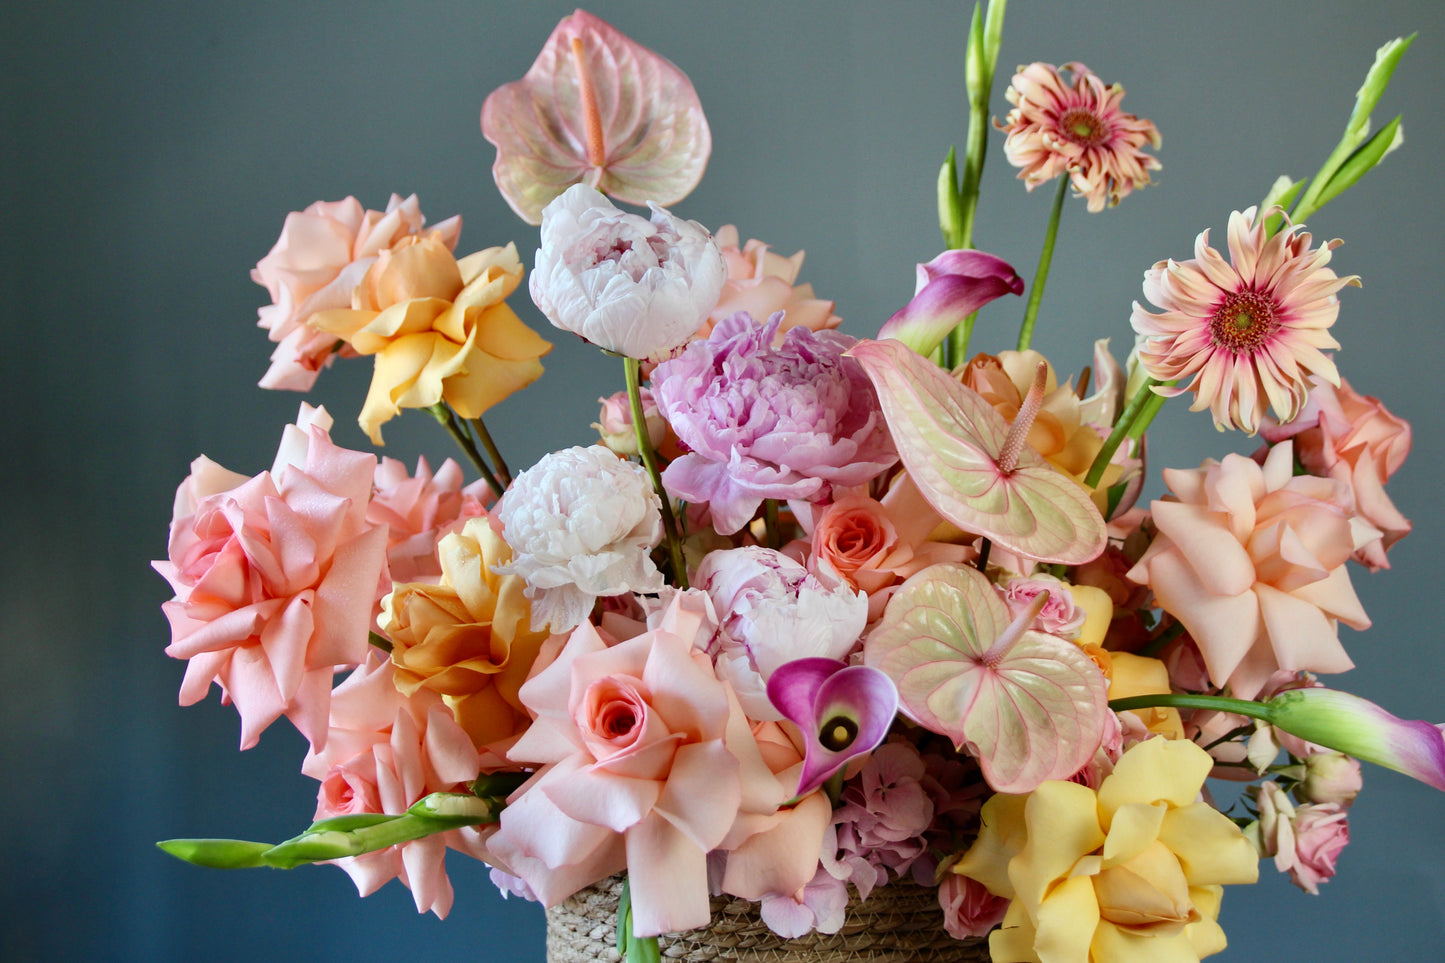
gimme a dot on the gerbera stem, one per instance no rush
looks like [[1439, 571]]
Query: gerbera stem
[[1026, 330], [1142, 399], [1181, 700], [447, 418], [503, 474], [633, 370]]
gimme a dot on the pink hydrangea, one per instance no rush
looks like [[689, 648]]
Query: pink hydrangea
[[275, 577], [819, 907], [384, 753], [788, 422], [321, 256], [881, 819]]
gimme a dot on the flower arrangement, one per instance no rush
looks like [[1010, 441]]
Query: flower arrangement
[[817, 614]]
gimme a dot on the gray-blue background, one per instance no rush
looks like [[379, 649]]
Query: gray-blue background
[[150, 152]]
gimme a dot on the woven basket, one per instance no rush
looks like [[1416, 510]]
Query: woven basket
[[900, 923]]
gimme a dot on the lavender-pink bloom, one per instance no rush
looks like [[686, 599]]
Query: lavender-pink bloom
[[786, 422]]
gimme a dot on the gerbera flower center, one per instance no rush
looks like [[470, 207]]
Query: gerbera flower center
[[1083, 126], [1243, 321]]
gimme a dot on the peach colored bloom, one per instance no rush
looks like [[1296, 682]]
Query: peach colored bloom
[[1248, 333], [761, 283], [418, 510], [274, 578], [322, 254], [468, 638], [1130, 873], [440, 329], [384, 752], [1079, 128], [1252, 560], [1350, 437], [636, 770]]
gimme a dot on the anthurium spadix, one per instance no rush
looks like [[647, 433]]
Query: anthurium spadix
[[950, 288], [956, 449], [597, 108], [843, 711], [1030, 706]]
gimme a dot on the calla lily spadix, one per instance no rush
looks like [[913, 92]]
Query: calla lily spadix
[[1030, 706], [600, 109], [954, 444], [950, 288], [843, 710]]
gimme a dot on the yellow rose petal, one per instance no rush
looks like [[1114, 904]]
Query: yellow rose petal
[[1063, 827], [1156, 770], [1066, 921], [1000, 837], [1210, 846], [1134, 826]]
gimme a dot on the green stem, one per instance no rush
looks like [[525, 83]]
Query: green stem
[[633, 371], [1121, 430], [1162, 639], [1026, 330], [448, 420], [504, 475], [1181, 700], [770, 520]]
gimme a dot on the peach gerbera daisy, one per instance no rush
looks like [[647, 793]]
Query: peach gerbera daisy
[[1056, 127], [1249, 331]]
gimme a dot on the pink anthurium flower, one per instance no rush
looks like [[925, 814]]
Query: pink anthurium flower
[[1030, 706], [972, 468], [950, 288], [844, 712], [1357, 727], [596, 108]]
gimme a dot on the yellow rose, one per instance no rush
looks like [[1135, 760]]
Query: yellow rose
[[1136, 675], [1132, 873], [440, 330], [467, 638]]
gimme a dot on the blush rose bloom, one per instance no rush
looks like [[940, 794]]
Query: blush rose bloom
[[275, 578], [969, 909], [631, 286], [1305, 841], [322, 254], [1130, 873], [582, 524], [467, 639], [761, 283], [1252, 559], [635, 772], [384, 752], [757, 421], [1353, 438], [417, 510], [774, 612]]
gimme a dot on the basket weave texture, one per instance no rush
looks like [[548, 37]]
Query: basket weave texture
[[900, 923]]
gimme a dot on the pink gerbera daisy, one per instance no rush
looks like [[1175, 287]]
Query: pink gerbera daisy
[[1057, 127], [1248, 331]]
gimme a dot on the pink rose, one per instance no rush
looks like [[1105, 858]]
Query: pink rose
[[1059, 616], [417, 510], [1304, 840], [760, 282], [635, 771], [321, 256], [615, 425], [384, 753], [969, 909], [1331, 777], [275, 578], [1352, 438]]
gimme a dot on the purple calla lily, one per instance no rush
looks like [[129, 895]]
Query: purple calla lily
[[843, 710], [950, 288], [1359, 728]]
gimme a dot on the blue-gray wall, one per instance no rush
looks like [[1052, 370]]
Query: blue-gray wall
[[150, 152]]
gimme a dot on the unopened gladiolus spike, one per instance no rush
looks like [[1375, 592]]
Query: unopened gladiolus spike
[[1018, 431], [592, 118]]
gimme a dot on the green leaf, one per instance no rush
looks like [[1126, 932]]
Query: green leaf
[[1364, 159], [217, 853]]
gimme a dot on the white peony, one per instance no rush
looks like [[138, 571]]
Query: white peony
[[581, 523], [635, 287]]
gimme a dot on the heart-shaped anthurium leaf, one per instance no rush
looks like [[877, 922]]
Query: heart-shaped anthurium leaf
[[1030, 706], [950, 440]]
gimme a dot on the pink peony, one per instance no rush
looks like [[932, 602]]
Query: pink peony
[[774, 612], [969, 909], [417, 510], [1252, 560], [321, 256], [1352, 438], [275, 579], [761, 283], [384, 753], [757, 421], [631, 286], [635, 771], [581, 524], [1079, 129]]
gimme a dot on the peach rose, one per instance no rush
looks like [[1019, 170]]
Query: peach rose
[[440, 329], [760, 282], [467, 639]]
